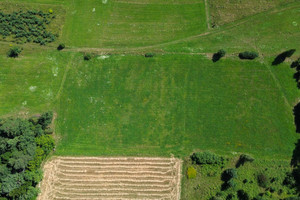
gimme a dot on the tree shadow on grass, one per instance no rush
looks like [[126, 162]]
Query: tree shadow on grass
[[297, 117], [281, 57]]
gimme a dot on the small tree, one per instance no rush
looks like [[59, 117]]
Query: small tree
[[217, 56], [250, 55], [229, 174], [61, 46], [14, 52], [149, 55]]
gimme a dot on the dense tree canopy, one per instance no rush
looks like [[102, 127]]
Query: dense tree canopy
[[23, 146]]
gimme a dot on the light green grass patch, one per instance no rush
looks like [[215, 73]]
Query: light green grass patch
[[173, 104], [30, 83]]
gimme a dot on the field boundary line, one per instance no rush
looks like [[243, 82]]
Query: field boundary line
[[64, 78], [207, 14]]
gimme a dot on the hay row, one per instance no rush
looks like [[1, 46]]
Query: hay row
[[115, 176], [117, 189], [116, 167], [72, 184], [116, 158], [114, 180], [117, 163]]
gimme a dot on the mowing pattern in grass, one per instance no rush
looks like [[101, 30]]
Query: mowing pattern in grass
[[111, 178], [225, 11], [137, 106], [91, 23]]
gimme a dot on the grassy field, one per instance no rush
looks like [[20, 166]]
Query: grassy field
[[30, 83], [226, 11], [130, 105], [269, 33]]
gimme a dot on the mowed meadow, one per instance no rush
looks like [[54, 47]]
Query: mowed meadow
[[174, 103], [131, 105]]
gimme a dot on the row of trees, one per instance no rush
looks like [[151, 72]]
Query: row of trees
[[24, 144]]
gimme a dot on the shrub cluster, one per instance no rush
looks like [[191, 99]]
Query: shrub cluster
[[228, 177], [23, 147], [30, 26], [250, 55], [201, 158]]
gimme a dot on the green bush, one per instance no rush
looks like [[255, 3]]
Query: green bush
[[87, 57], [201, 158], [149, 55], [191, 172], [14, 52], [248, 55], [61, 46]]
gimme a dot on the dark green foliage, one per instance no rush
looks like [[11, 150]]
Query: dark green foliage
[[217, 56], [87, 56], [242, 195], [229, 174], [281, 57], [289, 180], [243, 159], [262, 180], [230, 197], [30, 26], [250, 55], [14, 52], [23, 147], [149, 55], [201, 158], [61, 46], [228, 184], [45, 119]]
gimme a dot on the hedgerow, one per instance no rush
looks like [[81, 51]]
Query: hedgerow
[[29, 26]]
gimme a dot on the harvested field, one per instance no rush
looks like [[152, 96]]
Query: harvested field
[[111, 178]]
